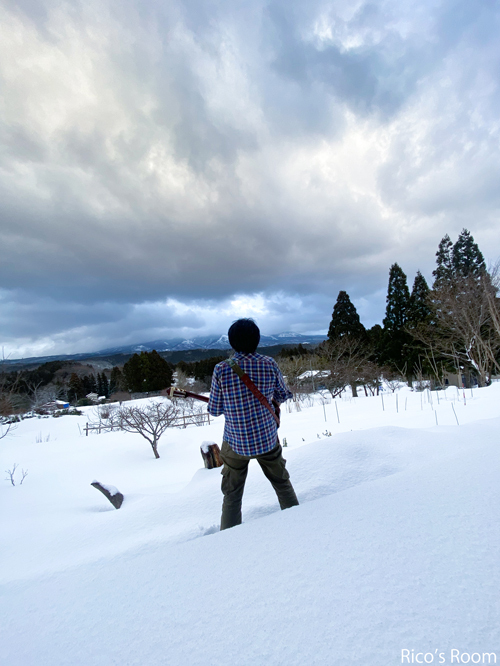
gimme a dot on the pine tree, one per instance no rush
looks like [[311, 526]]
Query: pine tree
[[133, 374], [419, 311], [444, 272], [462, 331], [92, 384], [396, 340], [116, 380], [398, 300], [147, 372], [86, 384], [158, 372], [345, 319], [100, 388], [105, 386], [75, 388], [467, 258]]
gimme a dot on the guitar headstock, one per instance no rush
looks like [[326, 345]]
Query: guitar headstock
[[176, 392]]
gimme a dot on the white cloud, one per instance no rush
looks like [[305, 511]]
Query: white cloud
[[202, 161]]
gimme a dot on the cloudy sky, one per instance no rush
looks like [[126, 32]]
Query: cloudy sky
[[168, 166]]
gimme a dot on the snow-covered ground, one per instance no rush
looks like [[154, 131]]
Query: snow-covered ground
[[392, 556]]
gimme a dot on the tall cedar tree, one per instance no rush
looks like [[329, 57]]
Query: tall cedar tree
[[158, 373], [92, 384], [347, 330], [419, 311], [105, 385], [116, 380], [457, 261], [443, 274], [396, 339], [398, 300], [76, 390], [100, 388], [467, 258], [419, 314], [345, 319], [133, 374]]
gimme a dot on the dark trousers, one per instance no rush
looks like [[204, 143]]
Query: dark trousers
[[234, 474]]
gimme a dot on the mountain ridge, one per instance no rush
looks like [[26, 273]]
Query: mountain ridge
[[174, 345]]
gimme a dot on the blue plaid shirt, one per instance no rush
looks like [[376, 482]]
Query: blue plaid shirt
[[250, 428]]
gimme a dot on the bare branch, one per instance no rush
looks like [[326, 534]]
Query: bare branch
[[10, 474]]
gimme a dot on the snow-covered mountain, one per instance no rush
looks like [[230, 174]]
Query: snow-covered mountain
[[212, 342], [176, 344]]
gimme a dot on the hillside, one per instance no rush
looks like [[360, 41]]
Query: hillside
[[394, 546]]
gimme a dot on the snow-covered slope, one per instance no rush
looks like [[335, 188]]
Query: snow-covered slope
[[394, 546]]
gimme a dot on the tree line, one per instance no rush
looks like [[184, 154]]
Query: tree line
[[56, 380], [453, 327]]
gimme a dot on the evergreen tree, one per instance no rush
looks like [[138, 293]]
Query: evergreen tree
[[444, 272], [157, 370], [92, 384], [75, 388], [396, 340], [345, 319], [419, 310], [86, 384], [116, 380], [100, 389], [133, 374], [204, 368], [398, 300], [467, 258], [105, 385], [147, 372], [375, 335], [419, 315]]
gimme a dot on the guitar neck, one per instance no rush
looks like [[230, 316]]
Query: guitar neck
[[181, 393]]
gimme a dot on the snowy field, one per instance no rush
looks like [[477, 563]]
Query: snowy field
[[392, 557]]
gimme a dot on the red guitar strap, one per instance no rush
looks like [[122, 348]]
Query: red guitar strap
[[249, 383]]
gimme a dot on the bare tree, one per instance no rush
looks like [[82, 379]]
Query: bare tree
[[40, 395], [492, 298], [369, 376], [293, 368], [345, 359], [150, 420], [465, 331], [393, 380]]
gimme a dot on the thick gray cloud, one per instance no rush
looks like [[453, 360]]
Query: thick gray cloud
[[161, 162]]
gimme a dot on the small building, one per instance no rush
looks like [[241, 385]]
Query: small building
[[53, 406]]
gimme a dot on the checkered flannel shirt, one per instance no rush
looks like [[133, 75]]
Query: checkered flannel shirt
[[250, 428]]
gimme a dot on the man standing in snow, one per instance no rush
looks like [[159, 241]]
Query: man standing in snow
[[250, 427]]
